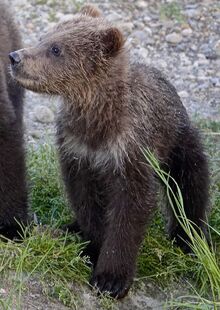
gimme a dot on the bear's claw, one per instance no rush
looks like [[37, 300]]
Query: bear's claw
[[115, 286]]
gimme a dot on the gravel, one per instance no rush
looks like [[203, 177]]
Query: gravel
[[217, 47], [180, 38], [174, 38], [43, 114]]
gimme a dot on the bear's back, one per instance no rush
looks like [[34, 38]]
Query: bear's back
[[159, 112]]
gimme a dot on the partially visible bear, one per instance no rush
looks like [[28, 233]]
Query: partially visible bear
[[13, 193], [111, 108]]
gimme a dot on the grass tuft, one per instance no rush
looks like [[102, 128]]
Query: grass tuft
[[171, 11], [205, 257], [50, 256], [47, 194]]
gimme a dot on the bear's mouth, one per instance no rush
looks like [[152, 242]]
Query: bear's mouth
[[24, 79], [18, 73]]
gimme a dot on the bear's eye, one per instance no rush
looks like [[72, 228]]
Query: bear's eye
[[55, 50]]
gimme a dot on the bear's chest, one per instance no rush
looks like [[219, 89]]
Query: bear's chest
[[109, 155]]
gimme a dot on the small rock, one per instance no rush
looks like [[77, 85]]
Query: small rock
[[174, 38], [215, 81], [139, 25], [211, 54], [2, 291], [43, 114], [147, 19], [141, 4], [64, 17], [194, 47], [143, 52], [127, 27], [162, 64], [148, 31], [183, 94], [50, 26], [202, 59], [139, 36], [168, 24], [185, 60], [217, 48], [187, 32], [140, 55], [193, 13], [59, 15], [114, 17], [35, 134]]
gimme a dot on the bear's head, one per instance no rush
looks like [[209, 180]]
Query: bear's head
[[74, 54]]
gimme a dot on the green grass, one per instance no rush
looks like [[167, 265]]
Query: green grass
[[47, 194], [208, 126], [53, 258], [171, 11], [50, 256], [162, 252], [45, 252], [205, 266]]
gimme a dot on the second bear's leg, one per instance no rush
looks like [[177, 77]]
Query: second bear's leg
[[132, 199], [13, 193]]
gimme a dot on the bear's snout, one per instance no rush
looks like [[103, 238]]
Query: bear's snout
[[14, 58]]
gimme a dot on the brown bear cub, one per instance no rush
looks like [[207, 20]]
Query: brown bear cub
[[111, 108], [13, 195]]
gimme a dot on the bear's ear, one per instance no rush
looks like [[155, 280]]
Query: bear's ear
[[112, 41], [90, 10]]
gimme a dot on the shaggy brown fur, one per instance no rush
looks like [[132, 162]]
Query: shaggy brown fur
[[13, 197], [112, 107]]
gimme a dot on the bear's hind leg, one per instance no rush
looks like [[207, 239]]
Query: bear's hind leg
[[189, 168]]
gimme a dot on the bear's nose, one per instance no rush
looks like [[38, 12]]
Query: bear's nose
[[14, 58]]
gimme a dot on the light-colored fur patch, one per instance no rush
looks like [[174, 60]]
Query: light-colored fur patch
[[113, 154]]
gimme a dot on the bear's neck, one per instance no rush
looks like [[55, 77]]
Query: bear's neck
[[100, 113]]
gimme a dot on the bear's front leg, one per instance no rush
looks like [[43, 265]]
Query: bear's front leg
[[131, 200], [85, 190]]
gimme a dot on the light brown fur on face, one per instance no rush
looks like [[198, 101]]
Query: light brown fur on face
[[111, 108], [86, 46]]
